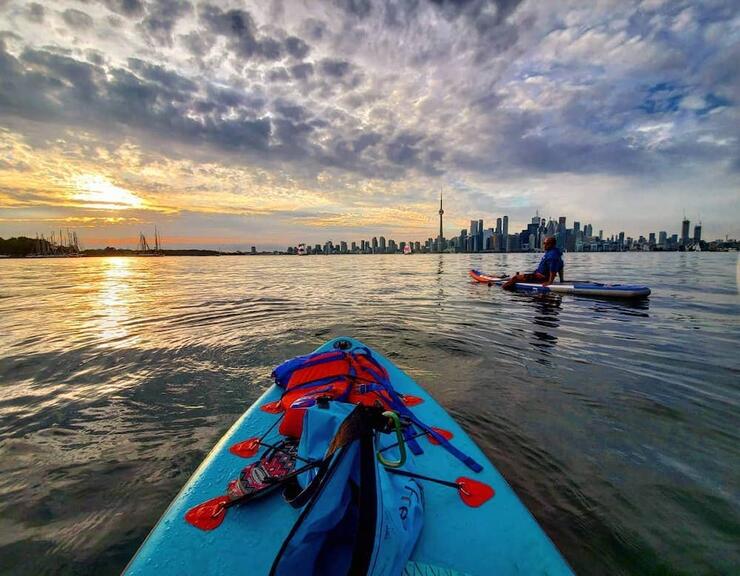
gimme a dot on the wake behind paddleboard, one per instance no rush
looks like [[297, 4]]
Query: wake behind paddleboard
[[498, 537], [579, 288]]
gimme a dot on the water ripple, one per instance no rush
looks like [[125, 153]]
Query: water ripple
[[615, 422]]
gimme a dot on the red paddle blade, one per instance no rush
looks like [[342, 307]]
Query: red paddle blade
[[410, 400], [246, 449], [208, 515], [472, 492], [272, 407], [446, 434]]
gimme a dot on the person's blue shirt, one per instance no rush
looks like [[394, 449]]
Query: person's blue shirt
[[551, 262]]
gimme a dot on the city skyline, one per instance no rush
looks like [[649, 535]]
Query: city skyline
[[481, 239], [228, 125], [478, 238]]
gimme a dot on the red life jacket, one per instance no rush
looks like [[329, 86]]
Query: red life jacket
[[353, 377], [345, 377]]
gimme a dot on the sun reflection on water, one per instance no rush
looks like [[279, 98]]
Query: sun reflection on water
[[114, 301]]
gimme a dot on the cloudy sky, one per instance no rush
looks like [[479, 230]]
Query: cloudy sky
[[231, 123]]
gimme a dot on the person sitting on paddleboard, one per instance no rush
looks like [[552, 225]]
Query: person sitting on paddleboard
[[550, 266]]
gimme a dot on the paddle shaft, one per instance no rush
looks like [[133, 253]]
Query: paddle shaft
[[420, 477]]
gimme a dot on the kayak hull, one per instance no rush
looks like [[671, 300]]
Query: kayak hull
[[500, 537], [595, 289]]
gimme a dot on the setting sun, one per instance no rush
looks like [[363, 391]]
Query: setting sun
[[99, 192]]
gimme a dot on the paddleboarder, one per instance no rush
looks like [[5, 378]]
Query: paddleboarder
[[550, 266]]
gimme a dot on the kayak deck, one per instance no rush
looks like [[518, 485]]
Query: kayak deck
[[500, 537], [579, 288]]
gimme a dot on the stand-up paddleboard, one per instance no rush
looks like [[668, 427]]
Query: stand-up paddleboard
[[499, 536], [579, 288]]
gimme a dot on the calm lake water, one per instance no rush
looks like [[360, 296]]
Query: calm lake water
[[616, 423]]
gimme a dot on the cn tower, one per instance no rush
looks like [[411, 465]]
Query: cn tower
[[441, 239]]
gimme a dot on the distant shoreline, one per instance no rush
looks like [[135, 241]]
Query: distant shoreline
[[212, 253], [24, 247]]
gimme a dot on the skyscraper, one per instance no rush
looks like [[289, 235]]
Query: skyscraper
[[685, 231], [697, 233], [552, 228], [505, 232], [663, 239], [488, 239], [533, 231], [473, 238], [381, 248]]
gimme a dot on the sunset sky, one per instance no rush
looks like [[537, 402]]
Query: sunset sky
[[232, 123]]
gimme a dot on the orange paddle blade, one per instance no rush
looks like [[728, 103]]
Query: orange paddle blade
[[246, 449], [472, 492], [208, 515]]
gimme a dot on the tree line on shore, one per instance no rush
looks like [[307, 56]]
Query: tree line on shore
[[22, 246]]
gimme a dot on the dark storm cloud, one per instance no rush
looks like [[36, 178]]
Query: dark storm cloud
[[314, 28], [76, 79], [225, 99], [301, 71], [239, 27], [233, 23], [334, 68], [296, 47], [365, 140], [292, 135], [359, 8], [278, 75], [35, 12], [290, 110], [483, 12], [77, 19], [58, 88], [173, 82], [271, 49], [129, 8], [489, 20], [161, 17], [403, 149]]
